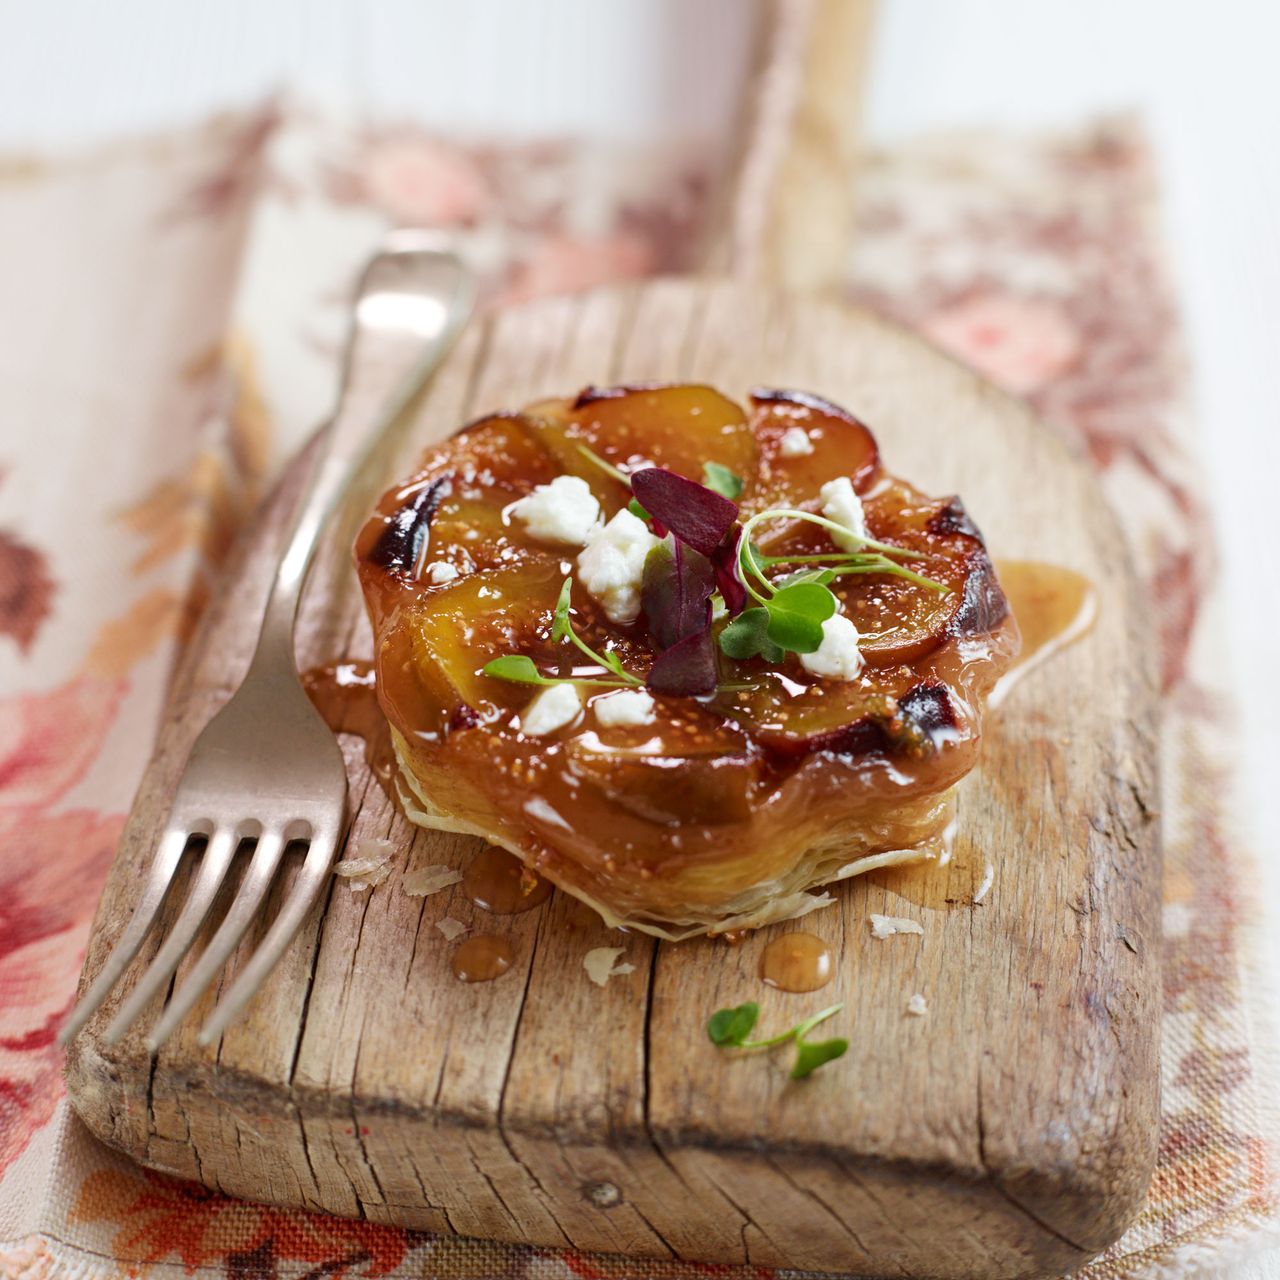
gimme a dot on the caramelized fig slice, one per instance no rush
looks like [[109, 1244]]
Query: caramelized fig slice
[[791, 720], [680, 427], [839, 444], [899, 620], [431, 668], [455, 503]]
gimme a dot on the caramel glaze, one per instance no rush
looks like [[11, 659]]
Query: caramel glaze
[[1054, 607], [346, 696], [797, 962], [499, 882], [481, 959], [772, 782]]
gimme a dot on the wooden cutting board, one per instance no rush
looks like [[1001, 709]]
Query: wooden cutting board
[[1010, 1131]]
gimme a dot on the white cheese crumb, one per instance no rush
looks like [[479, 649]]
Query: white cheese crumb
[[988, 878], [451, 928], [887, 926], [552, 709], [842, 505], [428, 880], [795, 443], [563, 511], [837, 657], [611, 566], [918, 1005], [600, 965], [626, 707], [369, 866], [439, 572]]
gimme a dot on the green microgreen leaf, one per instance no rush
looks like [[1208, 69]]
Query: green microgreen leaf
[[614, 663], [561, 626], [729, 1029], [638, 511], [811, 1054], [722, 480], [823, 577], [796, 614], [516, 668], [732, 1026], [747, 636]]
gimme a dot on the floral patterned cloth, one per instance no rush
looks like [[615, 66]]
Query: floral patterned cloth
[[172, 316]]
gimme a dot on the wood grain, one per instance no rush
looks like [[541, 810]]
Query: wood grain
[[1009, 1132], [785, 213]]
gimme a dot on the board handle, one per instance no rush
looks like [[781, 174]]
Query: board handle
[[785, 215]]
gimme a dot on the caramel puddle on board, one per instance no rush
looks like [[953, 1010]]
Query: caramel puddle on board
[[345, 694], [499, 882], [1054, 607], [797, 962], [482, 959]]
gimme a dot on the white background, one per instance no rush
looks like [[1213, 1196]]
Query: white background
[[1204, 78]]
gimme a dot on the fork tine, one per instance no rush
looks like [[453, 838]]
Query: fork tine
[[159, 877], [213, 868], [244, 907], [311, 879]]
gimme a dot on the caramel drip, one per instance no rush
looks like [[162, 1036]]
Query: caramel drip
[[796, 962], [482, 959], [1054, 607], [346, 696], [499, 882]]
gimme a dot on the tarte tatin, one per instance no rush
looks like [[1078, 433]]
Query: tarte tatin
[[687, 660]]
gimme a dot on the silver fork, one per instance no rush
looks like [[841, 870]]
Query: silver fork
[[267, 766]]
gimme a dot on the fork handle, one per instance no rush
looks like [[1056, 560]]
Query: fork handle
[[410, 305]]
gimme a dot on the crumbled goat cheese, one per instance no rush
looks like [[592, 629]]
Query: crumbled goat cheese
[[552, 709], [841, 505], [887, 926], [988, 878], [918, 1005], [428, 880], [563, 511], [837, 657], [626, 707], [439, 572], [451, 928], [795, 443], [611, 565], [600, 965]]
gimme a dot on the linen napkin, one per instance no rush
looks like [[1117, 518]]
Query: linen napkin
[[168, 338]]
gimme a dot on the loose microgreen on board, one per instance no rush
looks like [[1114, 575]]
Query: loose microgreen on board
[[729, 1029], [733, 1026]]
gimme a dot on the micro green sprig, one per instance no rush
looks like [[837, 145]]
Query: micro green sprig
[[520, 669], [729, 1029], [790, 610]]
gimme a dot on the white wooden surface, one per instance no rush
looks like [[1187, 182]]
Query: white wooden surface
[[1202, 76]]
